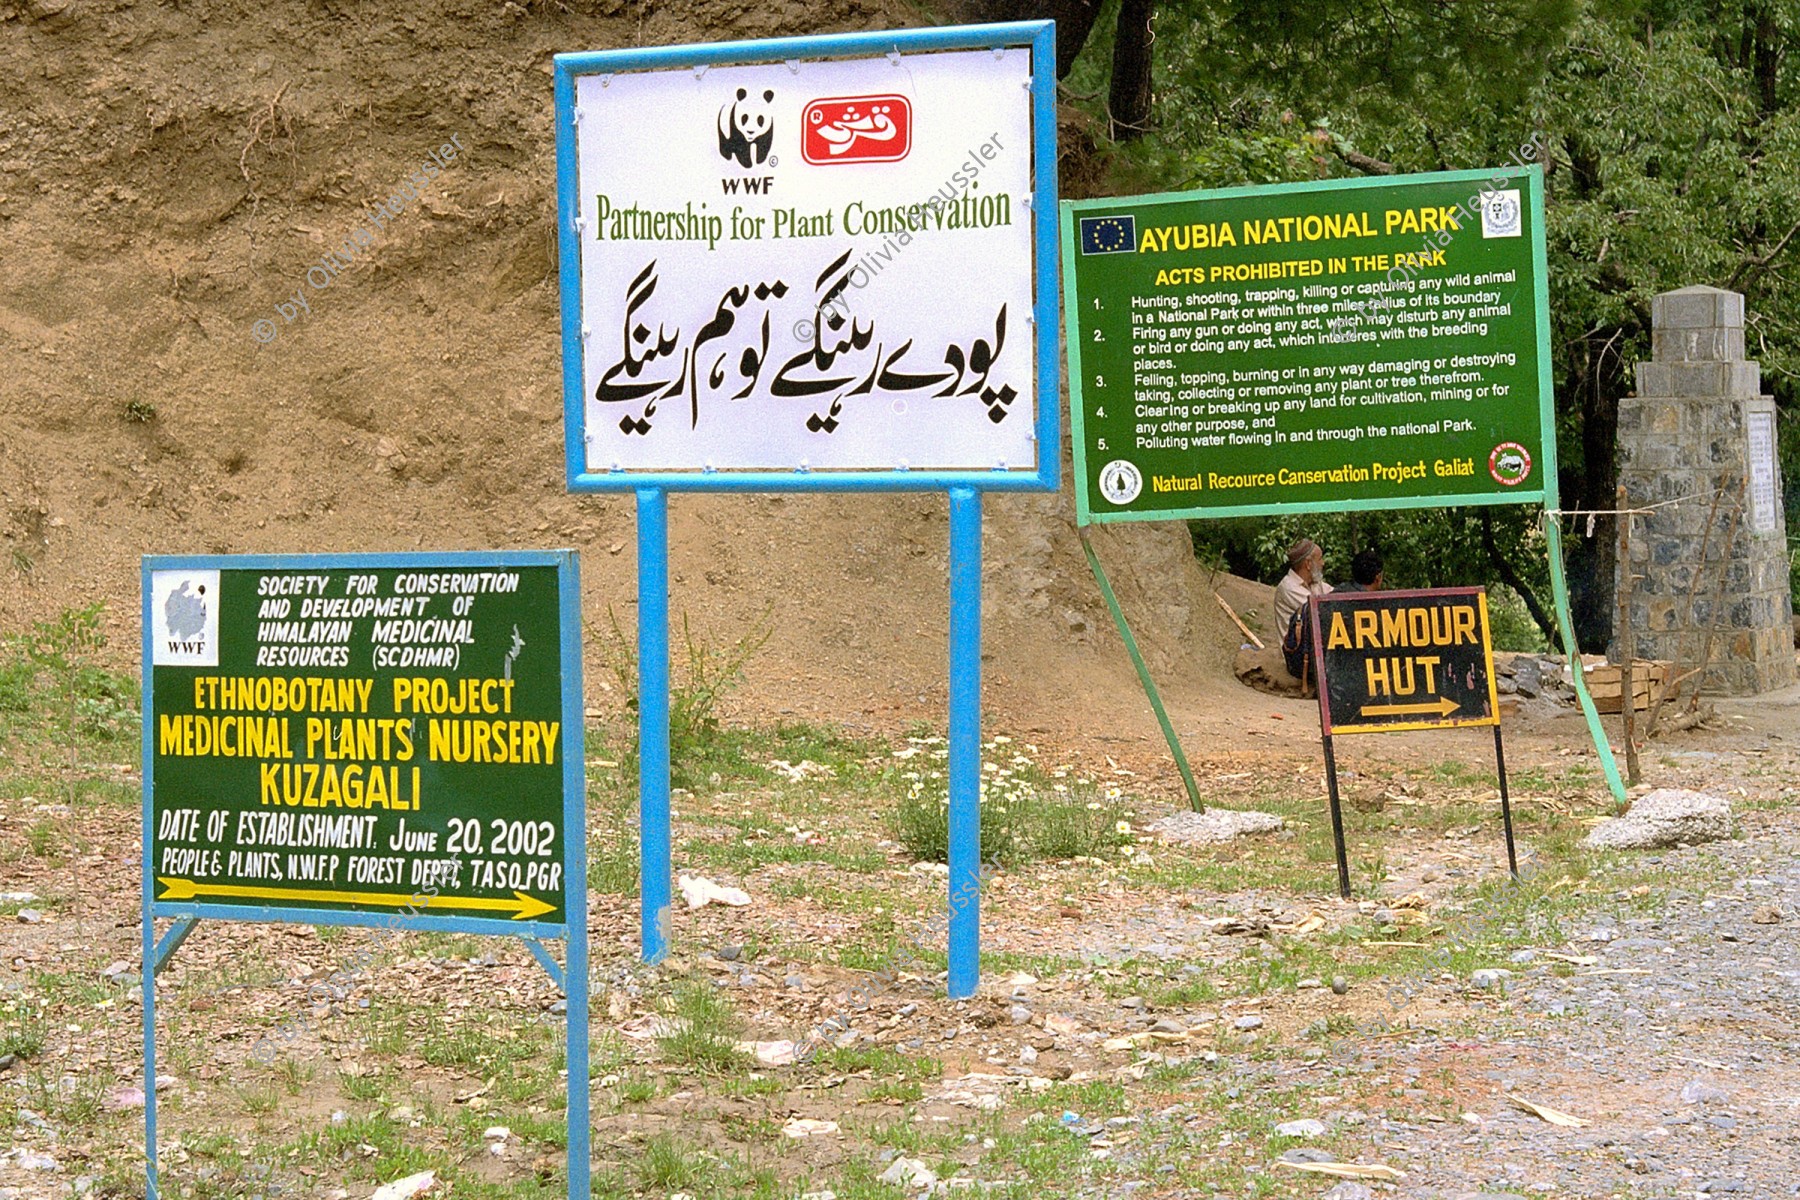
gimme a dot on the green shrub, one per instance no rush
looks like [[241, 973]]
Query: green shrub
[[16, 675], [1510, 624], [1025, 814], [696, 685]]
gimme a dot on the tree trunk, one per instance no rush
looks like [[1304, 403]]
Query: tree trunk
[[1128, 101], [1512, 579], [1590, 561], [1074, 22], [1766, 65]]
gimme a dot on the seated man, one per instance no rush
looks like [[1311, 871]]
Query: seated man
[[1365, 572], [1305, 579]]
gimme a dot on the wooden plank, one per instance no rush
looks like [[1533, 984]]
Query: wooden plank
[[1238, 621], [1606, 684]]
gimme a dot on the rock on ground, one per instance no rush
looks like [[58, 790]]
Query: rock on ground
[[405, 1189], [1665, 817], [909, 1173], [1307, 1127], [1213, 825]]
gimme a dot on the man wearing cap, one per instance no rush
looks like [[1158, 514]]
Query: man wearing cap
[[1305, 579]]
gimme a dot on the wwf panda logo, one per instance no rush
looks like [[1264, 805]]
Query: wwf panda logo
[[747, 128]]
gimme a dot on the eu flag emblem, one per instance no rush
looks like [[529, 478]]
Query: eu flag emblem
[[1108, 235]]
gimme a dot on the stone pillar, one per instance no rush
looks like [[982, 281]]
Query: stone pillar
[[1700, 423]]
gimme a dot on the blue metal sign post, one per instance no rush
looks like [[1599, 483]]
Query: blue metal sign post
[[965, 741], [655, 833], [661, 268], [312, 755]]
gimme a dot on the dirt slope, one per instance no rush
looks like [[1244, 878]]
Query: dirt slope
[[169, 173]]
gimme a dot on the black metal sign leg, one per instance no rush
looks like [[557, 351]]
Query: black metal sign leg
[[1512, 855], [1337, 821]]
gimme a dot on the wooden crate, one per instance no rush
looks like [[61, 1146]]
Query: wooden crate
[[1606, 685]]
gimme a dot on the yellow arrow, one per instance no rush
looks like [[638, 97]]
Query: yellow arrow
[[522, 907], [1443, 706]]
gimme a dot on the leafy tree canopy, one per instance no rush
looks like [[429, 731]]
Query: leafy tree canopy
[[1672, 130]]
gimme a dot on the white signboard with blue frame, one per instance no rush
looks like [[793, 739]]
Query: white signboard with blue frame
[[812, 264], [825, 255]]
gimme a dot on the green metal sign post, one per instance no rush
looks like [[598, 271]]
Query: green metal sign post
[[1350, 344]]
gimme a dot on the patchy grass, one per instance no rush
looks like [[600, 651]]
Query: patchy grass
[[881, 1061], [745, 844], [68, 1100], [704, 1031], [23, 1028], [454, 1037], [639, 1088], [1027, 813], [668, 1164]]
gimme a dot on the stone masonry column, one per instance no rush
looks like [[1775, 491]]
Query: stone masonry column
[[1700, 423]]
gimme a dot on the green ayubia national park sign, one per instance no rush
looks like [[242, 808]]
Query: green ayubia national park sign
[[1352, 344], [364, 734]]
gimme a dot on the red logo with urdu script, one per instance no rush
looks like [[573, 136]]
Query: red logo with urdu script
[[861, 129]]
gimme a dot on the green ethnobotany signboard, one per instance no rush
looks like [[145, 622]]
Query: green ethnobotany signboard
[[1351, 344], [365, 734]]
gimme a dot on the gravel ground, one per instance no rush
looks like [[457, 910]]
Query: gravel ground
[[1662, 1016], [1678, 1044]]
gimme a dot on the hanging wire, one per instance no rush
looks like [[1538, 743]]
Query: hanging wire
[[1594, 513]]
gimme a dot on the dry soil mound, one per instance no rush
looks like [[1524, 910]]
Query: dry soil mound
[[168, 174]]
